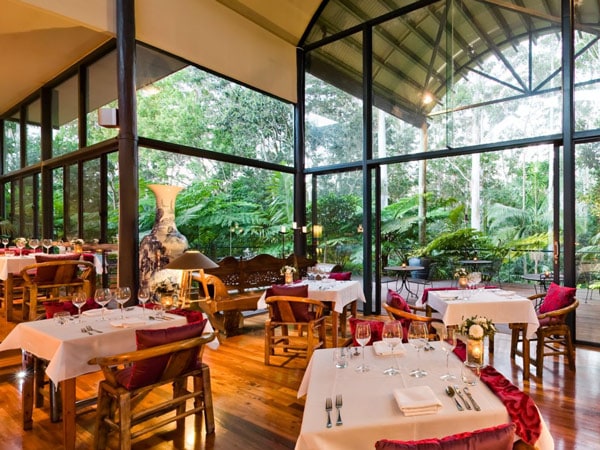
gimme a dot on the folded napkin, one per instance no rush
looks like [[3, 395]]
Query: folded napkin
[[503, 293], [93, 312], [382, 349], [417, 400], [521, 408], [128, 323]]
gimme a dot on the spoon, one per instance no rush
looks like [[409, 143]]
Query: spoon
[[450, 392]]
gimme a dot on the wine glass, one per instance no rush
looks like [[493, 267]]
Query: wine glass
[[448, 344], [79, 299], [102, 297], [47, 243], [5, 242], [34, 243], [143, 297], [122, 295], [363, 336], [392, 336], [417, 337], [21, 245]]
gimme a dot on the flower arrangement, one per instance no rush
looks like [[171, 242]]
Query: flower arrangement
[[287, 269], [462, 272], [165, 286], [477, 327], [77, 241]]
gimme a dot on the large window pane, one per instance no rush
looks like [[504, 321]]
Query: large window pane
[[65, 110], [12, 144], [102, 93], [33, 133], [91, 200]]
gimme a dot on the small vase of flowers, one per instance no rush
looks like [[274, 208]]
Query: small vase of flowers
[[288, 273], [476, 328]]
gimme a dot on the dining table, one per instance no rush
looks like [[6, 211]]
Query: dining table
[[501, 306], [10, 267], [338, 293], [370, 410], [404, 271], [68, 347]]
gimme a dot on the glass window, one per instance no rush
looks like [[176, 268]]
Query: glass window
[[102, 93], [12, 144], [58, 202], [33, 133], [91, 200], [71, 225], [65, 111]]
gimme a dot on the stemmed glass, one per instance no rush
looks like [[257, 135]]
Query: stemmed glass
[[448, 344], [34, 243], [5, 242], [392, 336], [102, 297], [143, 297], [79, 299], [21, 245], [363, 336], [122, 295], [47, 243], [417, 337]]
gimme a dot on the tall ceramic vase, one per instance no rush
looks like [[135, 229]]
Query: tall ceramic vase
[[165, 242]]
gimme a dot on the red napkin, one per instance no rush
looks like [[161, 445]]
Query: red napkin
[[520, 406]]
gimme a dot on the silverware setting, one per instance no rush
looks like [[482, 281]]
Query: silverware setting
[[85, 330], [328, 408], [90, 329], [475, 404], [428, 347], [450, 392], [338, 406], [459, 393]]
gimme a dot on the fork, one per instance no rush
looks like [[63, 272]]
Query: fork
[[328, 408], [90, 329], [85, 330], [338, 405]]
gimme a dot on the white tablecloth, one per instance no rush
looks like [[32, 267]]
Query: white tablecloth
[[340, 293], [68, 349], [498, 305], [370, 411], [14, 264]]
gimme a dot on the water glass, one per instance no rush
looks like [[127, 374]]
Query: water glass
[[340, 357], [61, 317], [470, 374]]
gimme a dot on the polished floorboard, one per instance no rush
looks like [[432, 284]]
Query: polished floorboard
[[256, 406]]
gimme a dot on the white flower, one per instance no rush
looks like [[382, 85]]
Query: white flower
[[476, 331], [287, 269]]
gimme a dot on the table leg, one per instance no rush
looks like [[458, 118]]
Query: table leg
[[68, 412], [27, 392], [335, 319], [8, 297], [526, 360]]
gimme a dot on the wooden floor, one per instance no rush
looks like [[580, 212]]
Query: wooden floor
[[256, 406]]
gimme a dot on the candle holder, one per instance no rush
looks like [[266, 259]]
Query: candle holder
[[474, 353]]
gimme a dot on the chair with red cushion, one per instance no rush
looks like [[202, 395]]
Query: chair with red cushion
[[553, 335], [164, 357], [406, 318], [500, 437], [298, 313]]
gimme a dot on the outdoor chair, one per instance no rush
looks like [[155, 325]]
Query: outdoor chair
[[301, 314], [553, 335], [164, 357]]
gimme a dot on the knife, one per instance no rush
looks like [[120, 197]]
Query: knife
[[475, 405], [459, 393]]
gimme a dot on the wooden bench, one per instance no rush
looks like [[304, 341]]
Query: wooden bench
[[236, 285]]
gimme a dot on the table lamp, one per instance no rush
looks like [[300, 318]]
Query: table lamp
[[191, 261]]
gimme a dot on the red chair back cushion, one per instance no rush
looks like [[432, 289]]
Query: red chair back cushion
[[301, 311], [557, 297], [395, 300], [148, 371], [46, 274], [341, 276], [500, 437], [376, 329]]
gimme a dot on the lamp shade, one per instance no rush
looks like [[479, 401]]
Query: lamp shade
[[192, 260]]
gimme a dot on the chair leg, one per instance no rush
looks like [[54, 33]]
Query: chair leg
[[209, 413], [539, 356], [125, 420], [268, 339], [102, 412], [570, 349]]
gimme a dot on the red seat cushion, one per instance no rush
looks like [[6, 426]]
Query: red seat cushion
[[46, 274], [500, 437], [148, 371], [301, 311], [341, 276], [557, 297], [376, 329]]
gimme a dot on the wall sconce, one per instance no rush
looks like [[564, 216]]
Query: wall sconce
[[317, 231], [108, 117]]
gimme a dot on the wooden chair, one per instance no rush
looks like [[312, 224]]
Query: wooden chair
[[553, 336], [300, 313], [119, 406], [49, 278], [406, 317]]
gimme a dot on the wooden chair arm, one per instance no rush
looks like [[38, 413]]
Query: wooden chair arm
[[560, 312], [139, 355]]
